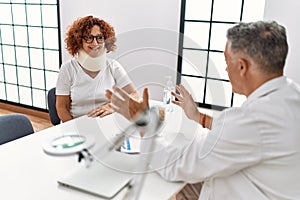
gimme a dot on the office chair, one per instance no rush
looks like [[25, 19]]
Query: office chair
[[52, 107], [14, 126]]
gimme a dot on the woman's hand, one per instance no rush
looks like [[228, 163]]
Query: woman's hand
[[125, 104], [101, 111], [187, 103]]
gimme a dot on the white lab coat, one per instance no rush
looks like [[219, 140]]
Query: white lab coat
[[252, 152]]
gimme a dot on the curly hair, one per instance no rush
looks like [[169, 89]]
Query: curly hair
[[82, 27]]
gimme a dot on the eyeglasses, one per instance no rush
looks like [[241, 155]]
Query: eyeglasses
[[89, 39]]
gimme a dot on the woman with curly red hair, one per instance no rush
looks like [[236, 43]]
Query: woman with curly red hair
[[82, 81]]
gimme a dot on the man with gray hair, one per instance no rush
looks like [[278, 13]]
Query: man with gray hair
[[250, 152]]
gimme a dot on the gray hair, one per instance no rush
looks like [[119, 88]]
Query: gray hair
[[265, 42]]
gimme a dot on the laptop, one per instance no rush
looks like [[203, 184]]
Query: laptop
[[104, 178]]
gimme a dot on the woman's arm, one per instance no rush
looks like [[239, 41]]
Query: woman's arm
[[129, 89], [106, 109], [63, 104]]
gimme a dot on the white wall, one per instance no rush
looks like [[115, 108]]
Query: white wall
[[147, 34], [146, 31], [287, 13]]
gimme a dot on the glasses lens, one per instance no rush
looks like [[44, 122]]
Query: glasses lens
[[89, 39], [99, 38]]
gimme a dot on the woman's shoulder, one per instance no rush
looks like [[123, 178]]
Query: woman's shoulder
[[70, 65], [71, 62], [113, 63], [114, 66]]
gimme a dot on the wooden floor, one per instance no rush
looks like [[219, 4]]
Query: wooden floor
[[40, 120]]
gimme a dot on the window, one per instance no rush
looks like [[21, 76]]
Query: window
[[201, 63], [29, 51]]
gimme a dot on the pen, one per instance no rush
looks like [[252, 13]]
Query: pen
[[128, 144]]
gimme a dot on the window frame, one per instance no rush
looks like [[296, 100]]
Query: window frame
[[37, 97], [181, 49]]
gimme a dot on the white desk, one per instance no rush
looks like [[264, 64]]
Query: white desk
[[26, 172]]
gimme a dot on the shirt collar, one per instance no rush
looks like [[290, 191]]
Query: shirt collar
[[267, 88]]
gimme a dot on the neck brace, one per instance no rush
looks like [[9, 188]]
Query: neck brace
[[91, 64]]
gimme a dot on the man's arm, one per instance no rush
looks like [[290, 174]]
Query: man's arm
[[187, 103], [127, 105]]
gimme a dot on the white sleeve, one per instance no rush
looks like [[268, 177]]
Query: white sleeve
[[64, 80], [223, 151], [119, 74]]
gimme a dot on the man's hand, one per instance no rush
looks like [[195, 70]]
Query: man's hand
[[187, 103], [101, 111], [126, 105]]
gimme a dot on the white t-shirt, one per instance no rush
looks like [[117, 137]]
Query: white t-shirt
[[86, 92]]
